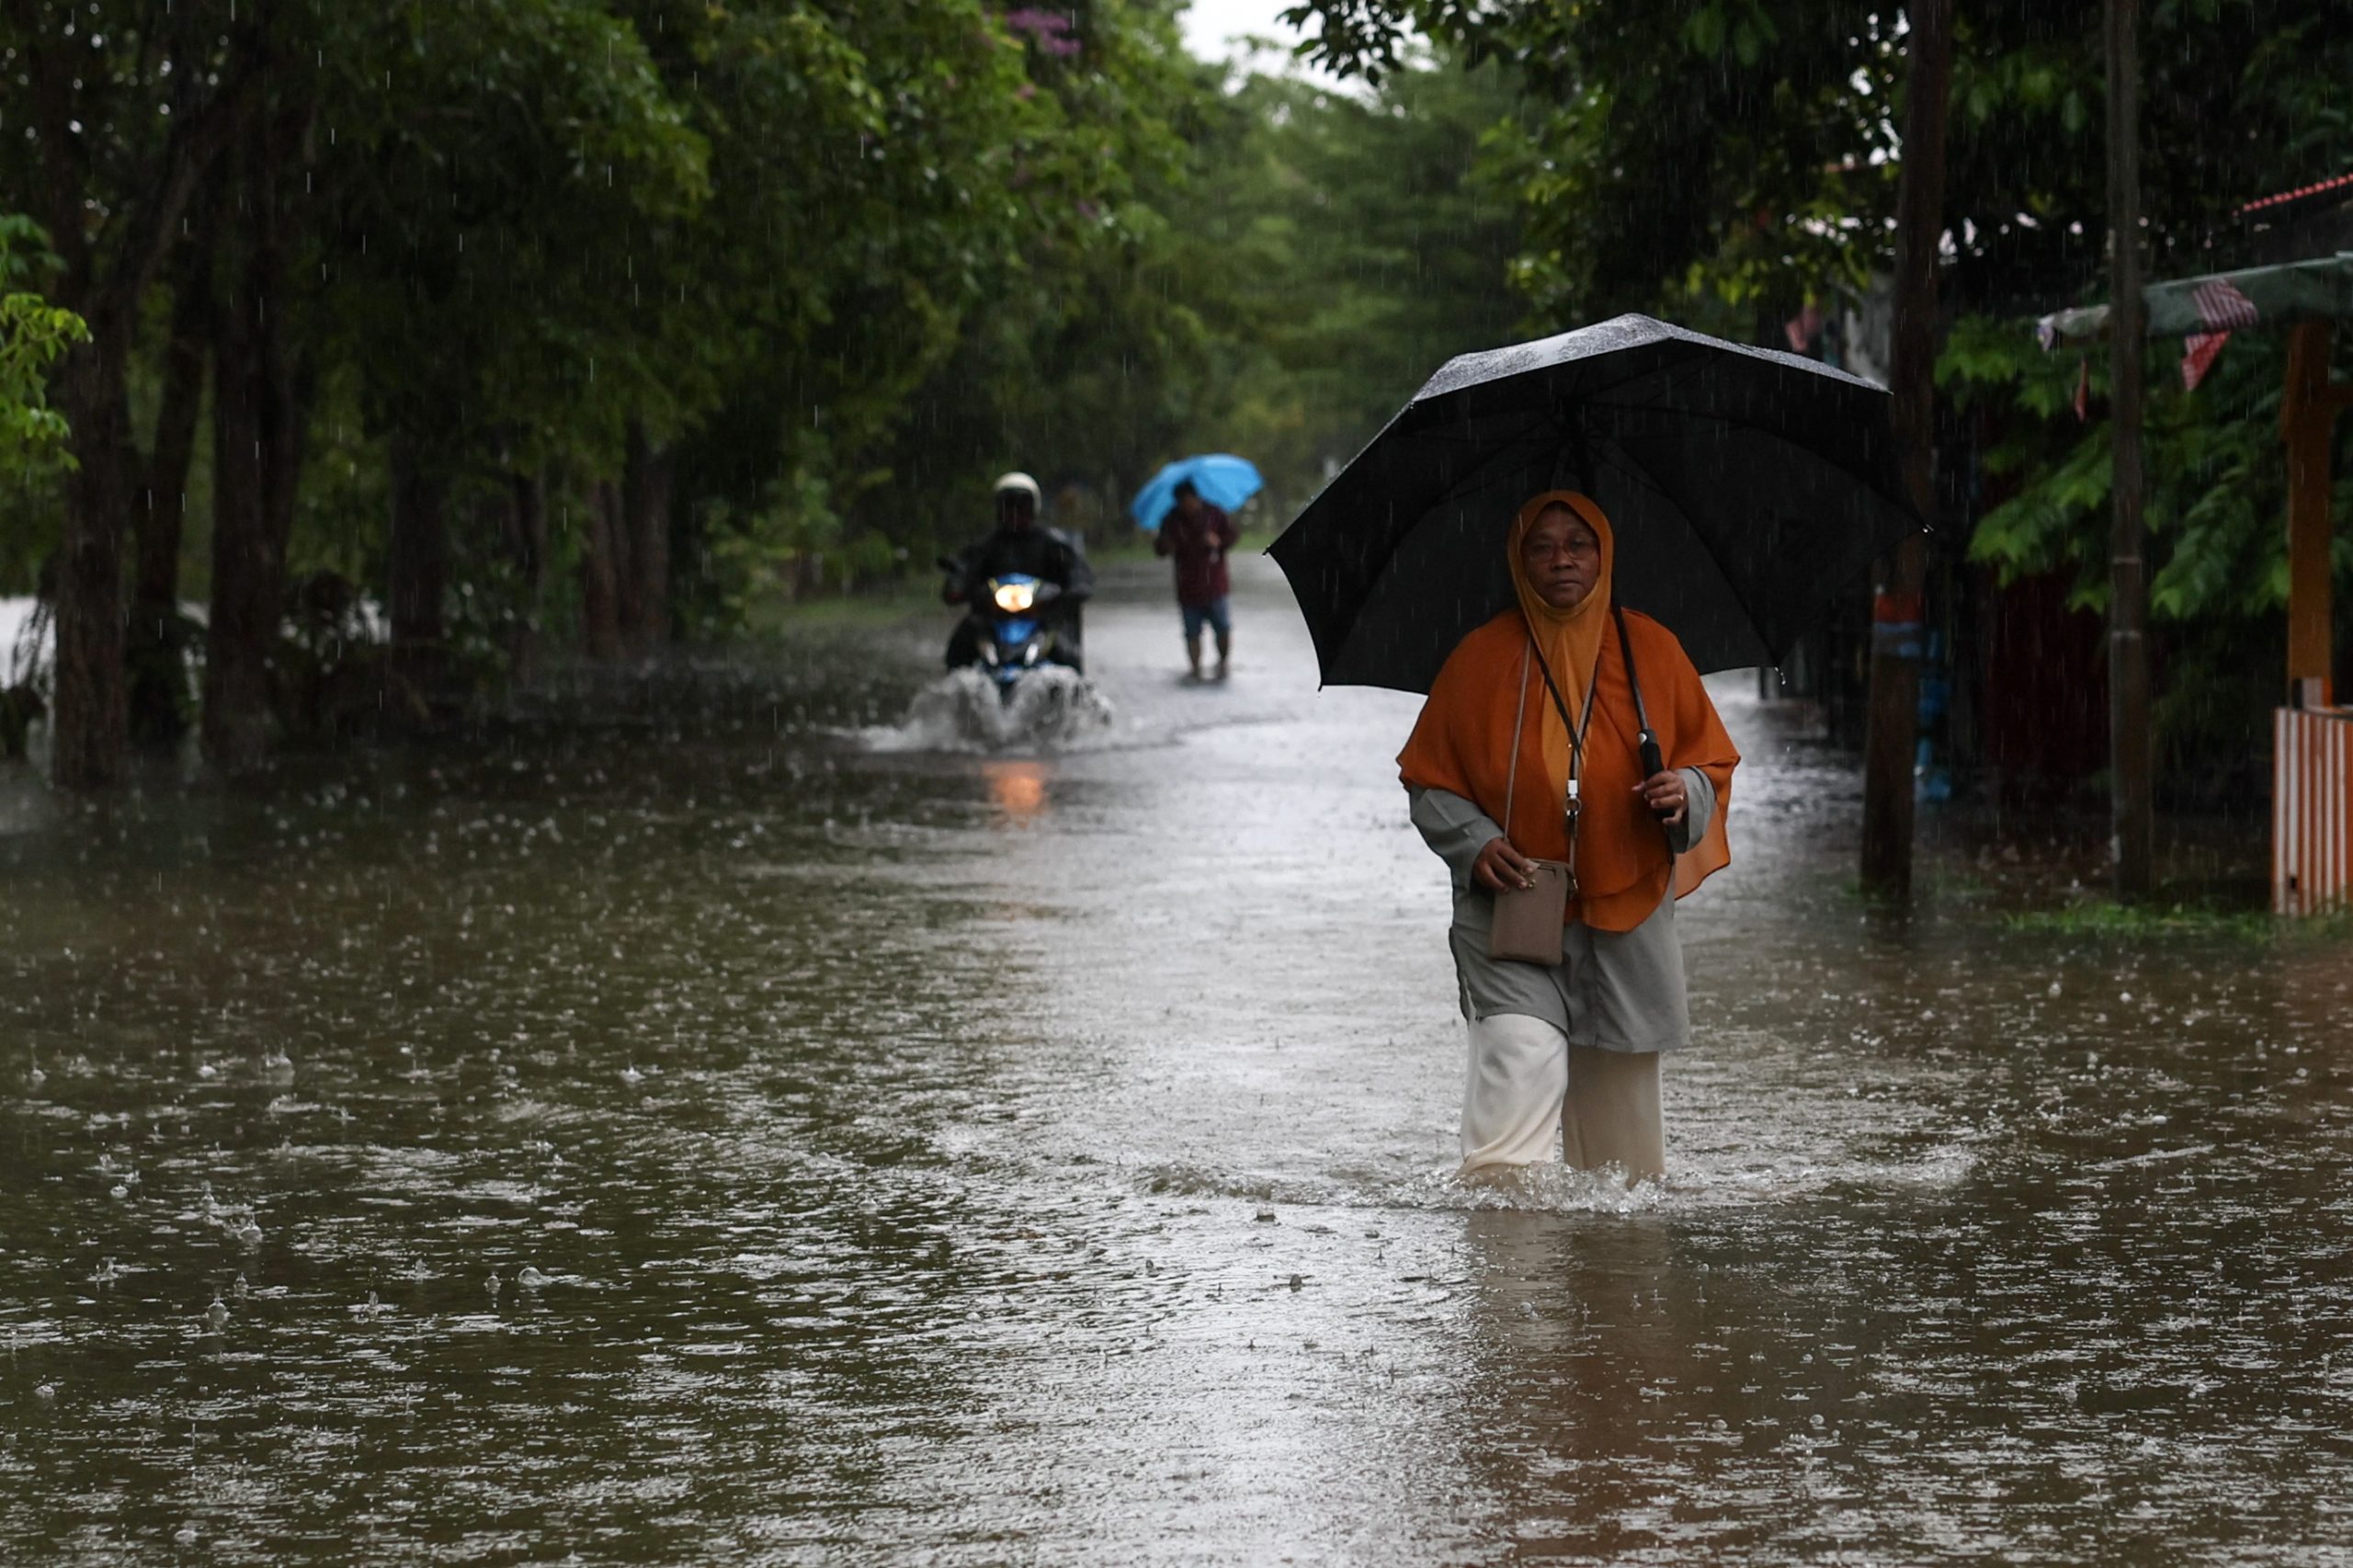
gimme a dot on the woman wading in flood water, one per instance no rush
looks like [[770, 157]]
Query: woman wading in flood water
[[1526, 775]]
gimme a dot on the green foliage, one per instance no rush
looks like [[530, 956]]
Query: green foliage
[[1361, 248], [34, 335], [1278, 283], [1727, 160], [2216, 499], [2217, 482], [794, 545], [901, 312], [491, 171], [1691, 148], [1748, 149], [841, 262]]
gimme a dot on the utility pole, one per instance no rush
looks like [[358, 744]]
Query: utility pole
[[2131, 754], [1898, 625]]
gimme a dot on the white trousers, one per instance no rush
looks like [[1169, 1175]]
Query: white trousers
[[1529, 1093]]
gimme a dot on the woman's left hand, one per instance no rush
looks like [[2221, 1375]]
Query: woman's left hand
[[1665, 795]]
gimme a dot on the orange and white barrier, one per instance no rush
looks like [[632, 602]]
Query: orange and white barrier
[[2312, 809]]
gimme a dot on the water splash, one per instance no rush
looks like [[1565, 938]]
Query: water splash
[[1051, 708]]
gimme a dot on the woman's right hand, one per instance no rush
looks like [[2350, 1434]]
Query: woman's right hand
[[1500, 868]]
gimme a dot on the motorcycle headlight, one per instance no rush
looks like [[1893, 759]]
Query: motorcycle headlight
[[1013, 598]]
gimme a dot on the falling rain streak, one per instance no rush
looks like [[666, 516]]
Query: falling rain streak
[[537, 1025], [717, 1121]]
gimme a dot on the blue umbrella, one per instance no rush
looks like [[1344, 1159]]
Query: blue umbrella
[[1223, 481]]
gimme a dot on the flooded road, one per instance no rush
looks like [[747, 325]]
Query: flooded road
[[750, 1135]]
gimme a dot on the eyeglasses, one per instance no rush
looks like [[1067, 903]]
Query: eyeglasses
[[1576, 547]]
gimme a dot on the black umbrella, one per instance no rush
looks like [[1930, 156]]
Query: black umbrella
[[1744, 488]]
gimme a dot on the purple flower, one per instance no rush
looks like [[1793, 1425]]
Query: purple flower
[[1048, 29]]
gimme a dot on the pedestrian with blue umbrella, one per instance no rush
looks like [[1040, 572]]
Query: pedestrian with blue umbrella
[[1185, 507]]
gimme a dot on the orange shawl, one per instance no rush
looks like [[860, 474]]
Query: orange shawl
[[1463, 743]]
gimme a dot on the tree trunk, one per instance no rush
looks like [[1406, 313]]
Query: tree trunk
[[90, 731], [2131, 761], [257, 423], [601, 573], [528, 543], [645, 492], [153, 643], [111, 227], [1899, 625], [418, 573], [238, 636]]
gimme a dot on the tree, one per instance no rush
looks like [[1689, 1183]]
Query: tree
[[943, 293], [127, 108], [1896, 637], [479, 254], [261, 377]]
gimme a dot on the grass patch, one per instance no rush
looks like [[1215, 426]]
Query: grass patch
[[2211, 921], [905, 599]]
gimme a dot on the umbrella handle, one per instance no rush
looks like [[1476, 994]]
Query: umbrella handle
[[1653, 762]]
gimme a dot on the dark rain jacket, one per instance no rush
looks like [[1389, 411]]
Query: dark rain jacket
[[1048, 554]]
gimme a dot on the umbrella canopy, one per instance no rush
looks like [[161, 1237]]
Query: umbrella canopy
[[1223, 480], [1744, 486]]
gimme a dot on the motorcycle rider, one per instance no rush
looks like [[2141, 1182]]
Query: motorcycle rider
[[1020, 544]]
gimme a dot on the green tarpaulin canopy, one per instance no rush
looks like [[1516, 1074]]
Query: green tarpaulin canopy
[[2318, 290]]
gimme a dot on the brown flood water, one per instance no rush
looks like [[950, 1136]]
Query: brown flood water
[[926, 1156]]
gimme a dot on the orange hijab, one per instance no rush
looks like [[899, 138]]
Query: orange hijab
[[1464, 741]]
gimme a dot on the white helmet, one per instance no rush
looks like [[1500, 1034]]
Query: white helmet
[[1021, 481]]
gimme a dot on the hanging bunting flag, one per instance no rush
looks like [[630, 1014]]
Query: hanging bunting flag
[[2199, 352], [2223, 308]]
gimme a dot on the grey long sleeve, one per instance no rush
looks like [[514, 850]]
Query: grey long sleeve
[[1698, 810], [1453, 828]]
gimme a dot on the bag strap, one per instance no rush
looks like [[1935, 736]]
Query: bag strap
[[1519, 718], [1576, 727]]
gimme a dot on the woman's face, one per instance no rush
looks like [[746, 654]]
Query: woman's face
[[1562, 558]]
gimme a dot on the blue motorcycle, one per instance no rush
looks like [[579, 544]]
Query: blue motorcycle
[[1006, 629]]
